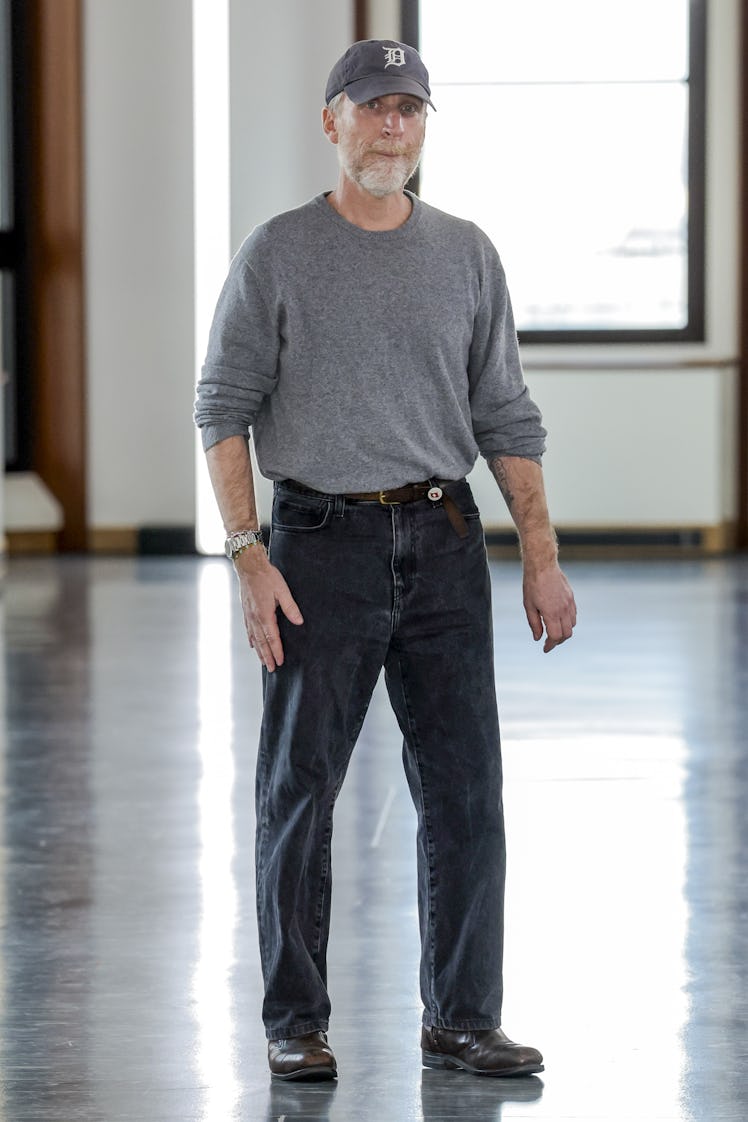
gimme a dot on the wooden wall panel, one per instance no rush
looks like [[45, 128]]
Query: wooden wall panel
[[360, 20], [56, 236]]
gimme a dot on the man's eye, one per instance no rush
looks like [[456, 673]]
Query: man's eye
[[372, 104]]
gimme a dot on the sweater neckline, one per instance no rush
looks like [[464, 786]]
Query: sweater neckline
[[398, 234]]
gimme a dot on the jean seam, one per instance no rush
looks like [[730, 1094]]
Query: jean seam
[[397, 581], [429, 844], [327, 844], [262, 825], [325, 875]]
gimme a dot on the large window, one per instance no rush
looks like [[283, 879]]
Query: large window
[[572, 132]]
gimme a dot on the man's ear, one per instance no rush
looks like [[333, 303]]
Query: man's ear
[[329, 125]]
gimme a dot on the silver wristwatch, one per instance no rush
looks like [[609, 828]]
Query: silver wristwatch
[[241, 540]]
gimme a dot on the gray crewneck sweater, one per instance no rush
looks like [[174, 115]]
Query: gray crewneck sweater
[[367, 359]]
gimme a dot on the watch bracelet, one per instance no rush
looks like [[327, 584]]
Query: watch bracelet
[[243, 548], [231, 537]]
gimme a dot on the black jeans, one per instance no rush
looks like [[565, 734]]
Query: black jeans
[[391, 586]]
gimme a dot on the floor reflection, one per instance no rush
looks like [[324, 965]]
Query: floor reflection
[[716, 1035], [458, 1095], [47, 855], [212, 981], [302, 1102]]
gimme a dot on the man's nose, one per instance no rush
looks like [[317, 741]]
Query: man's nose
[[393, 122]]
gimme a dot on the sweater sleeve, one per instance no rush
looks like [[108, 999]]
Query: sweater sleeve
[[241, 364], [506, 421]]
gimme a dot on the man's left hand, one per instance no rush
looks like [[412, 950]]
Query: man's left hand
[[549, 604]]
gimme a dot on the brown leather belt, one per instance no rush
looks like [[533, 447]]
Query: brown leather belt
[[409, 493]]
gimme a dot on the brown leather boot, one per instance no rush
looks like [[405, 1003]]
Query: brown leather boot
[[302, 1057], [479, 1051]]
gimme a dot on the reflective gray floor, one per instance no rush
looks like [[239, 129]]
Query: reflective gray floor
[[129, 984]]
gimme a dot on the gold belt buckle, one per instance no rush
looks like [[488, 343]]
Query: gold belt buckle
[[387, 502]]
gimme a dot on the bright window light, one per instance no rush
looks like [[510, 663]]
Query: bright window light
[[212, 212]]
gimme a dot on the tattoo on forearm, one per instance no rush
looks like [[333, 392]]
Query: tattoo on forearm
[[497, 467]]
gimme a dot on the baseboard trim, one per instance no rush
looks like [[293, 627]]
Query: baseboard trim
[[143, 541], [628, 541], [118, 540], [574, 541], [31, 543], [166, 541]]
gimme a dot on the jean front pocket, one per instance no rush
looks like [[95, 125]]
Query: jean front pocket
[[300, 514], [462, 496]]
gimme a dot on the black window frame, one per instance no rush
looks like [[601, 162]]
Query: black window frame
[[694, 331], [15, 253]]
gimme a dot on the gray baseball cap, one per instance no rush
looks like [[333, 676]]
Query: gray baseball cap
[[375, 67]]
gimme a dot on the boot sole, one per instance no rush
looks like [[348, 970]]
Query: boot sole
[[439, 1060], [307, 1074]]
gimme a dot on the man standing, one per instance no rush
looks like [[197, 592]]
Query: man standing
[[367, 340]]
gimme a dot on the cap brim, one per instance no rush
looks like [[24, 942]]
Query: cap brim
[[364, 89]]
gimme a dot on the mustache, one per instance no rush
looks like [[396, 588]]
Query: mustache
[[392, 150]]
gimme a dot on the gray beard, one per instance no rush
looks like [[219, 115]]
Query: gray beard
[[382, 178]]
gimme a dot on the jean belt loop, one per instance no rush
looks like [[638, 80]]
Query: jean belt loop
[[339, 507]]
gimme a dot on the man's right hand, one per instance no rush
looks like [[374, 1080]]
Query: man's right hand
[[263, 590]]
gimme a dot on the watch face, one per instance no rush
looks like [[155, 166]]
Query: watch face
[[227, 549]]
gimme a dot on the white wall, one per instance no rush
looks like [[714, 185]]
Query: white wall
[[281, 55], [639, 448], [279, 154], [644, 447], [139, 259]]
